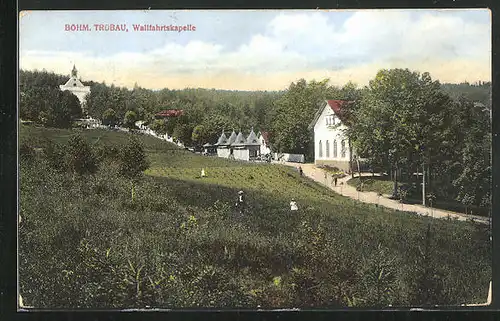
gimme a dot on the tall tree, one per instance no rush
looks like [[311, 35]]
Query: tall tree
[[109, 117], [130, 119], [399, 120], [293, 113]]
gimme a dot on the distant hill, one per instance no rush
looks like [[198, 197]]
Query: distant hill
[[477, 92]]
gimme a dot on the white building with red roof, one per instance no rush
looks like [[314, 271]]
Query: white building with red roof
[[331, 144]]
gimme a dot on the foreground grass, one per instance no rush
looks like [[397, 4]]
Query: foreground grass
[[85, 242]]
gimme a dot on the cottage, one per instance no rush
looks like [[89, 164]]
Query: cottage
[[331, 145], [239, 146], [246, 148], [222, 145]]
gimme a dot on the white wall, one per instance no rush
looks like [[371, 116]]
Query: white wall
[[241, 154], [79, 92], [223, 152], [323, 133], [264, 149]]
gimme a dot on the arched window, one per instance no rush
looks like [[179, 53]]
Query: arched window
[[327, 149], [334, 148], [320, 151], [342, 149]]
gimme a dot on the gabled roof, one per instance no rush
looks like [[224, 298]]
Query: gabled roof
[[231, 138], [74, 82], [252, 138], [335, 105], [240, 140], [265, 136], [222, 139]]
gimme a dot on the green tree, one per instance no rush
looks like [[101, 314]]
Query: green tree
[[133, 160], [159, 126], [293, 113], [199, 135], [80, 156], [109, 117], [130, 119], [474, 180], [400, 121]]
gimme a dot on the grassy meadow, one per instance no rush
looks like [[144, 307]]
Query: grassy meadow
[[84, 241]]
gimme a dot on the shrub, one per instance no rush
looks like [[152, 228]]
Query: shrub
[[55, 155], [80, 157], [133, 159], [26, 152]]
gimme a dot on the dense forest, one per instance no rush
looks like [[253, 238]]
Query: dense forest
[[403, 121]]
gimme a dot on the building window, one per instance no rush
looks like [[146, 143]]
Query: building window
[[327, 149], [342, 149], [335, 148], [320, 152]]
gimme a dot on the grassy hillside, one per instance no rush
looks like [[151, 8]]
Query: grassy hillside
[[84, 242]]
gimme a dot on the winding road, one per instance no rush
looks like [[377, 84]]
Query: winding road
[[342, 188]]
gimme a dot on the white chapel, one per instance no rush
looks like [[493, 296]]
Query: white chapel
[[75, 86]]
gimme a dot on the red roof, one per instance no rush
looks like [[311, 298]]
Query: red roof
[[170, 113], [265, 135], [336, 106]]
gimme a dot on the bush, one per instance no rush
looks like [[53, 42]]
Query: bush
[[133, 159], [80, 157], [26, 152], [55, 155]]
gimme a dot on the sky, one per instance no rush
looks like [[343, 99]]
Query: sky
[[257, 49]]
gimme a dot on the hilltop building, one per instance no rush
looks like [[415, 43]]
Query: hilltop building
[[75, 86]]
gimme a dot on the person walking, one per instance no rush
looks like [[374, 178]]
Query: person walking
[[300, 171], [240, 203], [335, 181], [293, 206]]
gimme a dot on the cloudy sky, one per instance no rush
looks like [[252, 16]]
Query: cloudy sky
[[258, 50]]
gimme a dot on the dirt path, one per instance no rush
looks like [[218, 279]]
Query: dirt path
[[342, 188]]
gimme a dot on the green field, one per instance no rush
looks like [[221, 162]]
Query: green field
[[84, 242]]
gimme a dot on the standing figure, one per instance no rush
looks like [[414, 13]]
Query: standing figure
[[300, 171], [335, 181], [203, 173], [293, 205], [240, 203]]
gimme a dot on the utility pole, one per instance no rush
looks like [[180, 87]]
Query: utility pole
[[423, 184]]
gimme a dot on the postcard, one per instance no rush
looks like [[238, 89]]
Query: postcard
[[254, 159]]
